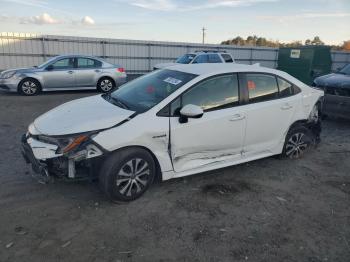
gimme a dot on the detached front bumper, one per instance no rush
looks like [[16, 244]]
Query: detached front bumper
[[28, 155], [46, 162]]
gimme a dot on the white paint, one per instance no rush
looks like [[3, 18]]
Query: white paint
[[218, 139], [81, 115]]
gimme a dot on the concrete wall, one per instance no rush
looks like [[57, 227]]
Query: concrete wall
[[138, 57]]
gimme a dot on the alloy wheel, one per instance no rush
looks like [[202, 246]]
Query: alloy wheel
[[296, 145], [106, 85], [29, 87], [133, 177]]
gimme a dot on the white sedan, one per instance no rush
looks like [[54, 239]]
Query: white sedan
[[175, 122]]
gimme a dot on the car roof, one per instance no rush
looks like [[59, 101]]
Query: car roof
[[83, 56], [217, 68], [207, 52]]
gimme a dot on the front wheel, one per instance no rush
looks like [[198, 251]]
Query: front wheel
[[127, 174], [29, 87], [298, 141]]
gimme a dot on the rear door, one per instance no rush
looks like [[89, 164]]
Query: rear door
[[215, 137], [87, 71], [337, 102], [269, 112], [60, 75]]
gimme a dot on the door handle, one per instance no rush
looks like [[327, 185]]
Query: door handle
[[237, 117], [70, 72], [286, 107], [97, 71]]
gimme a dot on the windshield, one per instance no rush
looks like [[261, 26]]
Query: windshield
[[47, 62], [185, 59], [147, 91], [345, 70]]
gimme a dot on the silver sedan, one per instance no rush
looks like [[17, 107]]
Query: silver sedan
[[64, 73]]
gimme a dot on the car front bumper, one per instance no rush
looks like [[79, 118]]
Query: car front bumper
[[46, 162], [9, 84]]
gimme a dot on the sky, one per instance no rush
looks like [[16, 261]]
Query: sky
[[180, 20]]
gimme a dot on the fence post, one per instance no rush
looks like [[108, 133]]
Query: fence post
[[103, 47], [43, 48], [251, 56], [149, 57], [276, 58]]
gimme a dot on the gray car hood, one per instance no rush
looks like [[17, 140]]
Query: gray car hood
[[81, 115], [333, 80], [21, 70]]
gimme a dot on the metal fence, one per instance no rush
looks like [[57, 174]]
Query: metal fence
[[138, 57]]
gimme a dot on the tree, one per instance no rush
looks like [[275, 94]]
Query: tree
[[346, 46], [317, 41], [307, 42]]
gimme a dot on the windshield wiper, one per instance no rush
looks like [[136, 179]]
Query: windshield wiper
[[115, 101]]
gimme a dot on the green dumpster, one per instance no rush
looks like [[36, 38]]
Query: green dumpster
[[305, 62]]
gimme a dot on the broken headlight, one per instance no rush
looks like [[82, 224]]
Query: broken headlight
[[66, 144]]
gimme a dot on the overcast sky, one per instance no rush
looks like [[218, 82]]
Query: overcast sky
[[180, 20]]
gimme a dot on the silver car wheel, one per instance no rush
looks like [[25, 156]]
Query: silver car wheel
[[296, 145], [133, 177], [106, 85], [29, 87]]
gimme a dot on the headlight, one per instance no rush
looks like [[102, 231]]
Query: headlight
[[8, 74], [65, 144]]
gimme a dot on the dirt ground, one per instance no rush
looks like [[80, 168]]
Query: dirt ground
[[267, 210]]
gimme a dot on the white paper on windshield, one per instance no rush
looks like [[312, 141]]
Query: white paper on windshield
[[172, 81]]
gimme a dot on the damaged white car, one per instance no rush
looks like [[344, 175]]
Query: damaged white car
[[175, 122]]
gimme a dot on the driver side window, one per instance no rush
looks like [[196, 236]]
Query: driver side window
[[65, 63], [212, 94]]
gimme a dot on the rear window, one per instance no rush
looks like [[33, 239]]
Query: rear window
[[227, 58], [286, 88], [261, 87]]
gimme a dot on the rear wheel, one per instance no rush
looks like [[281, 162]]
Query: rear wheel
[[298, 141], [105, 85], [29, 87], [127, 174]]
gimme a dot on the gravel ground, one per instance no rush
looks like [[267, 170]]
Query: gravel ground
[[266, 210]]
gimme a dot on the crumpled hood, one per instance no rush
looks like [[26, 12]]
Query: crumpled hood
[[333, 80], [81, 115]]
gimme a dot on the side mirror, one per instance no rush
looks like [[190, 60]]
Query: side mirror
[[49, 68], [190, 111]]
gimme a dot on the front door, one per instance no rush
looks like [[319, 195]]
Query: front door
[[215, 137], [60, 74]]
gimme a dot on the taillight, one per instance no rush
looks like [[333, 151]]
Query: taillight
[[120, 70]]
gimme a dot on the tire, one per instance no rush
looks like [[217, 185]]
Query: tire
[[298, 141], [29, 87], [105, 85], [117, 178]]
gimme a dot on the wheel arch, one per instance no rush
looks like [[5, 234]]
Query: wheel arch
[[158, 176], [106, 76], [30, 78]]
